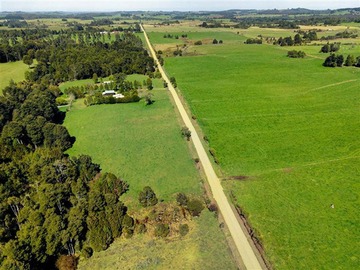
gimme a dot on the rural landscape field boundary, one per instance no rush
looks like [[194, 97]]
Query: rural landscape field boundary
[[247, 254]]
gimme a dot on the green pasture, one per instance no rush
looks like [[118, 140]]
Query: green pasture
[[203, 248], [12, 71], [291, 126], [141, 144]]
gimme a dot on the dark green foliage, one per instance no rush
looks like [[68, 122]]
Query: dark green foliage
[[182, 199], [287, 41], [253, 41], [50, 204], [334, 61], [98, 98], [186, 133], [297, 39], [195, 207], [350, 61], [215, 41], [310, 35], [149, 84], [334, 47], [162, 230], [87, 252], [61, 58], [173, 81], [148, 99], [183, 229], [147, 197], [199, 42], [296, 54]]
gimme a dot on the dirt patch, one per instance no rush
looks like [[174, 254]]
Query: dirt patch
[[237, 177], [287, 170]]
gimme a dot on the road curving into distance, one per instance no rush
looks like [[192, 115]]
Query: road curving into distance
[[246, 252]]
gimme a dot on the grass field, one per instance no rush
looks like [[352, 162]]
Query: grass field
[[203, 248], [12, 71], [142, 144], [292, 127]]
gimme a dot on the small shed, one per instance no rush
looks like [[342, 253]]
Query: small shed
[[109, 93]]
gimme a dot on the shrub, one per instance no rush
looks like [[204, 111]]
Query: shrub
[[195, 207], [87, 252], [162, 230], [199, 42], [147, 197], [185, 132], [296, 54], [182, 199], [183, 229]]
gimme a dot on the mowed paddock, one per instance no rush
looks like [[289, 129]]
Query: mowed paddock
[[291, 128]]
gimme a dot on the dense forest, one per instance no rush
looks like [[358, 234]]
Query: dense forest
[[75, 55], [50, 204]]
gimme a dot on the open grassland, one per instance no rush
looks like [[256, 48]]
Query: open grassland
[[203, 248], [291, 126], [142, 144], [12, 71]]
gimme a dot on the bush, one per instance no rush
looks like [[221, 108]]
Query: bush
[[87, 252], [253, 41], [199, 42], [147, 197], [182, 199], [195, 207], [183, 229], [296, 54], [185, 132], [162, 230]]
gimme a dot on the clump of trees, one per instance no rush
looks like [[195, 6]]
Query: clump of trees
[[338, 61], [193, 205], [296, 54], [253, 41], [173, 81], [329, 48], [300, 38], [345, 34], [51, 204]]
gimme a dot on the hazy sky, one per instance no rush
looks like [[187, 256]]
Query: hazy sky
[[168, 5]]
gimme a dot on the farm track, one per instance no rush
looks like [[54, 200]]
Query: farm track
[[239, 236]]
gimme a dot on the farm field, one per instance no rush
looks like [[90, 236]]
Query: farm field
[[290, 127], [142, 145], [12, 71]]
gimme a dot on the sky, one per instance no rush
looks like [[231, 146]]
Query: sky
[[168, 5]]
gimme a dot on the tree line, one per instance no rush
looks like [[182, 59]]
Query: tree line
[[334, 60]]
